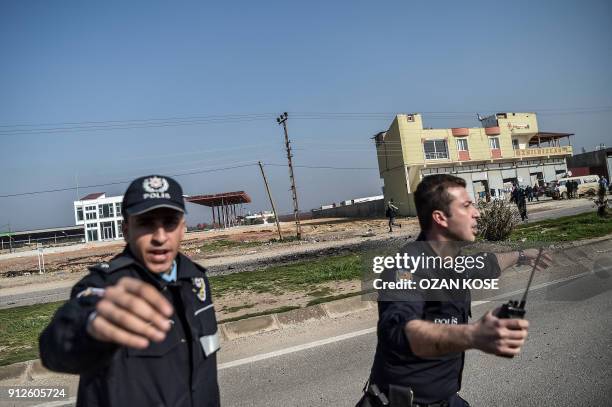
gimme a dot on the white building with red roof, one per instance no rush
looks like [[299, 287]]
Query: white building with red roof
[[101, 216]]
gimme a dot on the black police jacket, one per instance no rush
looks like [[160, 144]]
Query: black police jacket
[[179, 371], [435, 378]]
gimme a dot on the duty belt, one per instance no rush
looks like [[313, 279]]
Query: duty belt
[[406, 396], [442, 403]]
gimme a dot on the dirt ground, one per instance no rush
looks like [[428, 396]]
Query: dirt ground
[[193, 245], [63, 269]]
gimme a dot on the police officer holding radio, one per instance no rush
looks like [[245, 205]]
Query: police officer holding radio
[[422, 337], [140, 330]]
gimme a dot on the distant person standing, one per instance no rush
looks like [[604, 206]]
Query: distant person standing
[[391, 213], [601, 200], [514, 194], [556, 194], [521, 203], [529, 192], [574, 189], [568, 187], [603, 182]]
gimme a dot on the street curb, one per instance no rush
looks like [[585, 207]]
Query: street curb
[[229, 331]]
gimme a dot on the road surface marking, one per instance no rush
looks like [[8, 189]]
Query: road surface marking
[[297, 348], [350, 335]]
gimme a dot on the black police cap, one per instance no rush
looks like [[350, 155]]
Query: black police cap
[[151, 192]]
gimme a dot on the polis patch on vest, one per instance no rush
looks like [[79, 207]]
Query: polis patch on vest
[[199, 287]]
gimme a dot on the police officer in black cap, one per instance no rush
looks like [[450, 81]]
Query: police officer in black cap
[[423, 334], [140, 330]]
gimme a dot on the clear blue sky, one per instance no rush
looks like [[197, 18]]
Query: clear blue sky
[[120, 61]]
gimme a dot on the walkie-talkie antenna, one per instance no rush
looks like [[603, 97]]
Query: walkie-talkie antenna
[[524, 299]]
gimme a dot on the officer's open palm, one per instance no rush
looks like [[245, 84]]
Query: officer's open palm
[[502, 337], [131, 313]]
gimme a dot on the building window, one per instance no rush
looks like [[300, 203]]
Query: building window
[[118, 209], [494, 143], [119, 228], [462, 144], [79, 213], [92, 232], [515, 144], [435, 149], [91, 213], [107, 210], [108, 230]]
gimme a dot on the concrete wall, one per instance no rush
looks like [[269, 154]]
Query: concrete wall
[[370, 209], [396, 188], [599, 162]]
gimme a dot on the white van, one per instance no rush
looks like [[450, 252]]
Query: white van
[[587, 184]]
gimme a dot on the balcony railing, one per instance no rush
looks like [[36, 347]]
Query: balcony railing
[[535, 152], [439, 155]]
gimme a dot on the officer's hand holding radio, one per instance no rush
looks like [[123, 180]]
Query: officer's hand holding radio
[[503, 331], [502, 337], [131, 313]]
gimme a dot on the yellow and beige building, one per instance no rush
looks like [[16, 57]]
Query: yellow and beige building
[[508, 148]]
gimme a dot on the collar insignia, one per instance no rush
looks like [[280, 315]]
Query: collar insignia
[[199, 287]]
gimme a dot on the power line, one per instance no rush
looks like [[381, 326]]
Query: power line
[[131, 124], [248, 164], [76, 129], [324, 167], [177, 118], [121, 182]]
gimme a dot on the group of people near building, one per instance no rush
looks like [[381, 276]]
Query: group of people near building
[[571, 187], [534, 192], [141, 330]]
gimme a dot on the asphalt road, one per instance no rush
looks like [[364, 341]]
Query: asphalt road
[[566, 362], [534, 215]]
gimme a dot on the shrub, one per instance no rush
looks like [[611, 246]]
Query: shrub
[[497, 219]]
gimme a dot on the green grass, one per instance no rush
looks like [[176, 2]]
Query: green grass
[[21, 326], [568, 228], [294, 277], [19, 331]]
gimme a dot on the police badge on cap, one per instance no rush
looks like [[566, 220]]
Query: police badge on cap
[[151, 192]]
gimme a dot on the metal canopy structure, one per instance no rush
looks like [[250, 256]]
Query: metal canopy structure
[[225, 204], [548, 137]]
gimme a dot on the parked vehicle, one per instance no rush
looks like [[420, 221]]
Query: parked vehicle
[[587, 185], [550, 190]]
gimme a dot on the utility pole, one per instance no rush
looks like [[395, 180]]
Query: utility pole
[[282, 120], [263, 174], [10, 239]]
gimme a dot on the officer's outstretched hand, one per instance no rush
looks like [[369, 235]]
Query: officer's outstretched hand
[[502, 337], [131, 313], [544, 262]]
